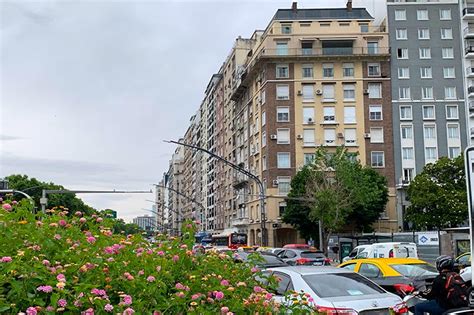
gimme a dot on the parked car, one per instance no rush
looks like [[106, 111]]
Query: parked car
[[463, 260], [396, 275], [334, 290], [264, 259], [304, 257], [298, 246]]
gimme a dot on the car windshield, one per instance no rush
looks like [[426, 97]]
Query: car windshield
[[312, 255], [261, 260], [341, 284], [415, 270]]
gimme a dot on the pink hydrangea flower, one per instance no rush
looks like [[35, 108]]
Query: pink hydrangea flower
[[254, 269], [82, 220], [175, 258], [78, 214], [127, 300], [150, 279], [141, 272], [195, 296], [108, 308], [31, 311], [14, 202], [257, 289], [36, 247], [7, 207], [62, 303], [99, 220], [219, 295], [91, 239], [61, 278], [57, 236], [50, 309], [268, 296], [89, 311], [46, 262], [161, 253], [45, 288], [128, 311], [224, 310], [6, 259], [180, 294], [62, 222], [224, 282]]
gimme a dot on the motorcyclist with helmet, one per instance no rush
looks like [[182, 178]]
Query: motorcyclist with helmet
[[437, 297]]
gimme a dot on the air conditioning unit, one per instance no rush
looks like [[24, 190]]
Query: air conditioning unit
[[273, 137], [310, 121], [319, 92], [366, 91], [340, 135], [299, 137], [367, 135], [300, 93], [275, 182]]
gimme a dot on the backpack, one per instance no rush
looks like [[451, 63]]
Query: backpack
[[457, 291]]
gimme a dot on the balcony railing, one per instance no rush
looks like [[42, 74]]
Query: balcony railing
[[240, 221], [471, 105], [470, 71], [469, 49], [329, 51], [470, 89], [466, 11], [468, 31]]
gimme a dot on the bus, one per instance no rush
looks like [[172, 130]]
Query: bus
[[231, 240]]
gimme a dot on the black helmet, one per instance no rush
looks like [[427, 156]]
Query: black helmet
[[444, 262]]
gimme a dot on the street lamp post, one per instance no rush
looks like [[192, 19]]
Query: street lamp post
[[243, 171], [13, 191]]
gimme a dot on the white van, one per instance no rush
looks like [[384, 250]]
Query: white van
[[354, 252], [389, 250]]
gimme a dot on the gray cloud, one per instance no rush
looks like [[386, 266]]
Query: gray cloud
[[8, 138]]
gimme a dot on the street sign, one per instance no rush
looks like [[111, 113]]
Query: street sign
[[469, 165], [428, 238]]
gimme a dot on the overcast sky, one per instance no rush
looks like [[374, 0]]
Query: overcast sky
[[89, 89]]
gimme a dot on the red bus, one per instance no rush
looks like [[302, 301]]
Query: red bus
[[231, 240]]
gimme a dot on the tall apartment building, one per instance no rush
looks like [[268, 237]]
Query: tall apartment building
[[429, 111], [175, 180], [314, 77], [467, 27], [146, 222], [160, 205]]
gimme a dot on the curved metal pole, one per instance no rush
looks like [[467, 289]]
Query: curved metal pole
[[13, 191], [243, 171]]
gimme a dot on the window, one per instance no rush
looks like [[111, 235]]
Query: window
[[308, 114], [286, 28], [283, 185], [426, 72], [349, 92], [264, 138], [448, 53], [400, 15], [307, 48], [283, 160], [454, 152], [373, 69], [425, 53], [350, 136], [283, 114], [452, 112], [428, 112], [446, 33], [369, 271], [427, 92], [453, 131], [377, 159], [329, 136], [264, 163], [448, 72], [429, 132], [309, 158], [308, 92], [422, 15], [431, 153], [408, 175], [282, 48], [375, 112], [308, 137], [450, 92], [405, 112], [264, 118], [307, 71], [372, 48], [283, 92], [375, 90], [402, 53], [348, 69], [263, 97], [376, 135], [404, 73], [349, 115], [445, 14], [329, 114], [423, 33], [406, 132], [282, 71], [328, 92], [328, 70], [407, 153], [404, 93], [364, 27], [283, 136], [401, 33], [281, 206]]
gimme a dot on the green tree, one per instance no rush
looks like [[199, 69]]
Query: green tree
[[335, 190], [121, 227], [438, 195], [34, 188]]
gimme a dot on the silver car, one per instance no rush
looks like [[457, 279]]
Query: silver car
[[335, 289]]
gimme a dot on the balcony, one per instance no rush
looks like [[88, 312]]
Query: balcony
[[468, 13], [240, 222], [472, 132], [470, 72], [471, 106], [469, 52], [468, 32], [239, 181], [470, 91], [324, 52]]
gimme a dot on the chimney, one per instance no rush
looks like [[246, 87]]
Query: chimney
[[349, 5], [294, 7]]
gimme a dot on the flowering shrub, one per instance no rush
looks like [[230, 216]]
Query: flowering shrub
[[52, 263]]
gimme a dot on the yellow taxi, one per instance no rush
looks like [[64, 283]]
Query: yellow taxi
[[464, 260], [396, 275]]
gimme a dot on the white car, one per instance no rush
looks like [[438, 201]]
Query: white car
[[335, 289], [466, 274]]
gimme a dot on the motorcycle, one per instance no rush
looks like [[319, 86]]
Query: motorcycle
[[413, 298]]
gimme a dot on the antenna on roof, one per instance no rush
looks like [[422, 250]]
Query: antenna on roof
[[349, 5]]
